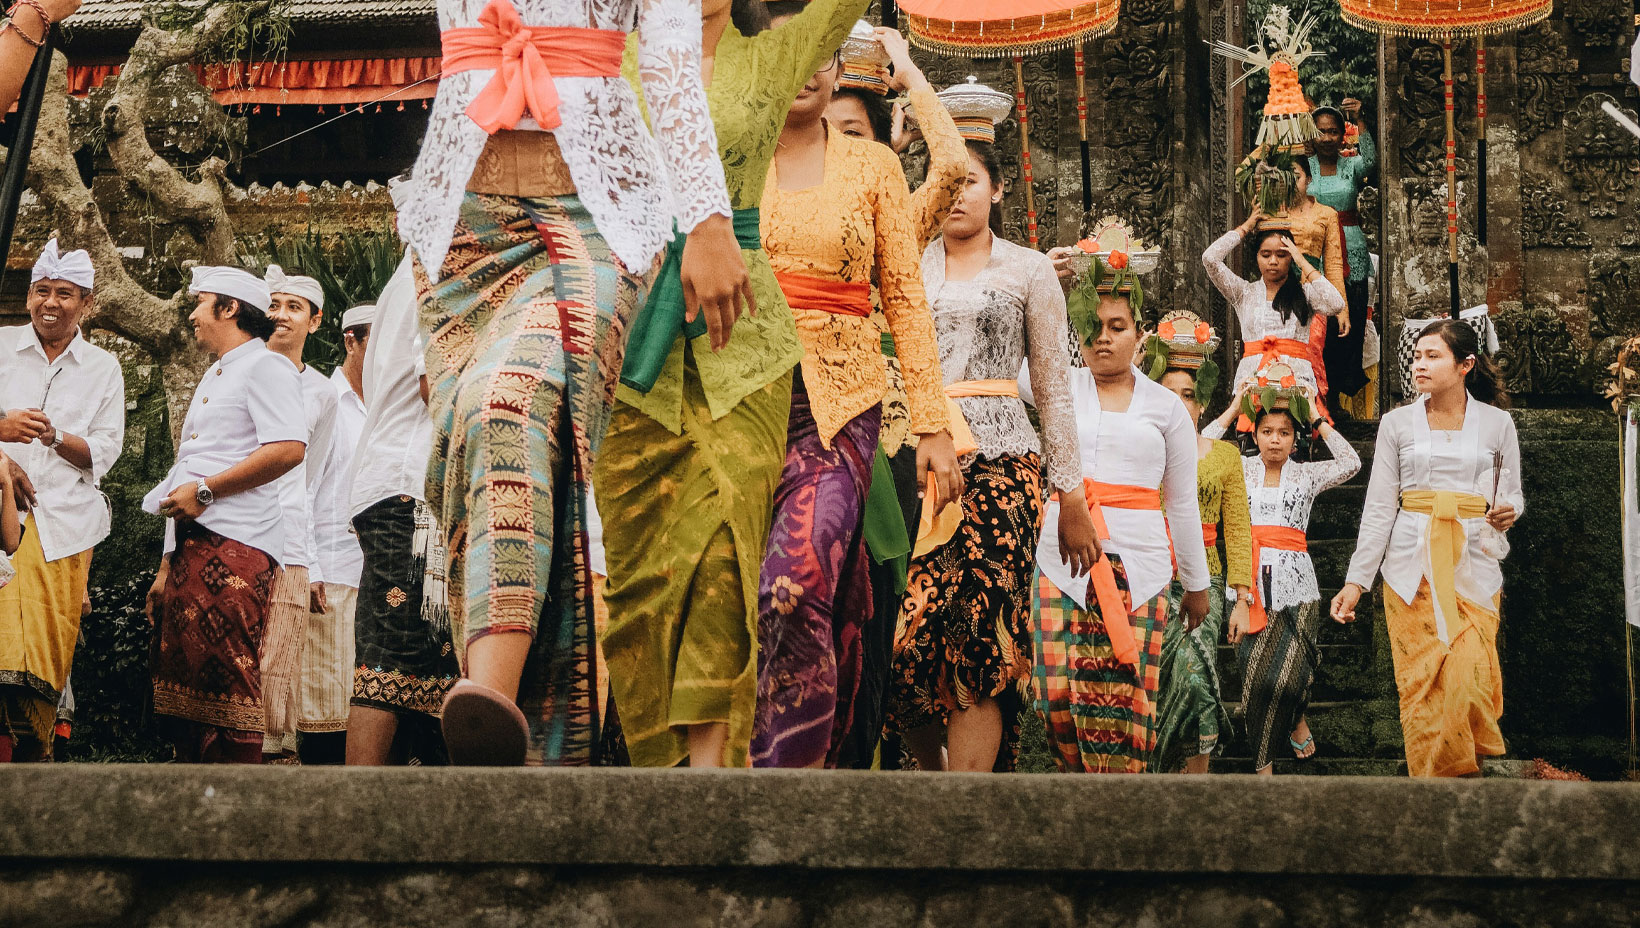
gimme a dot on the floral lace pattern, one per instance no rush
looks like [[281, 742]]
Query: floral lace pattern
[[1259, 319], [854, 225], [634, 186], [1013, 311], [1292, 574]]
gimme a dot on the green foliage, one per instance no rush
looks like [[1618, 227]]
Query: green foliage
[[1083, 302], [113, 692], [1346, 67], [1267, 178], [255, 26], [1207, 380], [352, 269]]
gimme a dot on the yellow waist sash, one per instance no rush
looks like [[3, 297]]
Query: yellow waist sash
[[1446, 541], [937, 528]]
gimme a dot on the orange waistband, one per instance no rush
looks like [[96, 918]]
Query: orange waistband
[[1291, 347], [964, 388], [823, 294], [1210, 533], [526, 59], [1113, 603], [1280, 537]]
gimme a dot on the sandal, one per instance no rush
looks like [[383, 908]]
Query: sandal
[[1299, 749], [483, 728]]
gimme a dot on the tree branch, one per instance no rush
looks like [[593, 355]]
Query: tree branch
[[199, 204]]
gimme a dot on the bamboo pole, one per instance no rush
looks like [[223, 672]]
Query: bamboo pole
[[1082, 123], [1451, 178], [1480, 138], [1025, 148]]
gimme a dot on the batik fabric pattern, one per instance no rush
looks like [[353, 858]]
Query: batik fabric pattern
[[405, 657], [208, 644], [527, 325], [815, 592], [39, 626], [1100, 713], [1278, 665], [1451, 694], [964, 631]]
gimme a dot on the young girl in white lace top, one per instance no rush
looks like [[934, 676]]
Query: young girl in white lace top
[[1277, 636]]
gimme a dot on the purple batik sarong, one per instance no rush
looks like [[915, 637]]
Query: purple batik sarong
[[815, 593]]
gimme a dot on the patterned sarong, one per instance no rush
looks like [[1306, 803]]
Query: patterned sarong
[[405, 662], [208, 645], [527, 325], [1100, 713], [964, 633], [1277, 665], [327, 662], [815, 592], [1451, 695], [686, 518], [39, 626], [1191, 714]]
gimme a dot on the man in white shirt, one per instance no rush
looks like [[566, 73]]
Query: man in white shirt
[[327, 658], [406, 661], [296, 306], [64, 430], [226, 536]]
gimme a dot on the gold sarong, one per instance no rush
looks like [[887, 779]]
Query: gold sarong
[[39, 626]]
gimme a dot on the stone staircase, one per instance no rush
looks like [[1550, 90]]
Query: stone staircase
[[1353, 707]]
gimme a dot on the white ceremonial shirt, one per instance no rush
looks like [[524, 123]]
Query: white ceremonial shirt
[[1152, 444], [340, 560], [397, 436], [249, 398], [296, 487], [1409, 456], [86, 399]]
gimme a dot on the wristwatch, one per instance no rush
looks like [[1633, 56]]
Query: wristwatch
[[203, 494], [56, 439]]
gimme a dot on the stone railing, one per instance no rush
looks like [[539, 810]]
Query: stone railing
[[184, 846]]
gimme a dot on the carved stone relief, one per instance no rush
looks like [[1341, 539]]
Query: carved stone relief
[[1545, 222], [1545, 77], [1602, 158], [1536, 351], [1599, 22], [1614, 294]]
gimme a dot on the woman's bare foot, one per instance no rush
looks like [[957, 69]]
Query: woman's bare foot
[[1302, 741]]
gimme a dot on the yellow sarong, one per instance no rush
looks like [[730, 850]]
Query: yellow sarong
[[39, 626], [1451, 694]]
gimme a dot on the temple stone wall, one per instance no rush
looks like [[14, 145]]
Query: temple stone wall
[[189, 846]]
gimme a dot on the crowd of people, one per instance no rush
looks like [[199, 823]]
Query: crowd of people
[[687, 433]]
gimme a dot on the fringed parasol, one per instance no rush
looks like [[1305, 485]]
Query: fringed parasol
[[989, 29], [1444, 21]]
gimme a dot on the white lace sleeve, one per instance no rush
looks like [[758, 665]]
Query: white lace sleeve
[[1045, 325], [1345, 463], [669, 66], [1227, 281]]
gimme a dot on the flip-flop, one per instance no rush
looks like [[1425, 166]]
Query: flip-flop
[[1299, 749], [483, 728]]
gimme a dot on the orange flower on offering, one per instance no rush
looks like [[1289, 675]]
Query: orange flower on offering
[[1166, 331], [1204, 332], [1288, 381], [1088, 246], [1118, 259]]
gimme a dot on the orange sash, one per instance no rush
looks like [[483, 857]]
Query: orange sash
[[823, 294], [525, 60], [1112, 607], [1280, 538], [935, 529], [1210, 534]]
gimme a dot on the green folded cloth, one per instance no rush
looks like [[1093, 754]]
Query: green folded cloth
[[885, 524], [661, 320], [888, 344]]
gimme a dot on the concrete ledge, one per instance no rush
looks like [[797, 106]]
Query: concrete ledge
[[1364, 827]]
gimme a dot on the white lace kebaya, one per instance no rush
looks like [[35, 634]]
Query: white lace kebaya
[[633, 186]]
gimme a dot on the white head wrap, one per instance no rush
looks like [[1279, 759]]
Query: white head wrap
[[74, 267], [363, 314], [231, 282], [296, 285]]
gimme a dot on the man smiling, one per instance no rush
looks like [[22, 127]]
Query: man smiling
[[64, 432], [224, 543]]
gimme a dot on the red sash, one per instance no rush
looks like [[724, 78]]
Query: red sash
[[825, 295]]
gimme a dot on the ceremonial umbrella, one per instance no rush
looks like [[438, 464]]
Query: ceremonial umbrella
[[988, 29], [1444, 21]]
